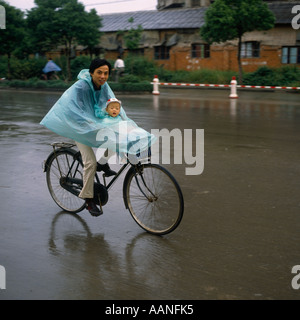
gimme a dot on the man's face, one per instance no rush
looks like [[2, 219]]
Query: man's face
[[100, 75]]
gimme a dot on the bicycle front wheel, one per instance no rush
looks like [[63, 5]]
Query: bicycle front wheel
[[60, 165], [154, 199]]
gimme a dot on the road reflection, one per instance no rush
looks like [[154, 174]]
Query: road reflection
[[101, 270]]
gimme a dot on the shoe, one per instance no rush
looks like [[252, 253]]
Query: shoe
[[106, 169], [92, 208]]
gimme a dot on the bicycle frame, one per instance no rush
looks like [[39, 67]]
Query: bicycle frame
[[115, 178]]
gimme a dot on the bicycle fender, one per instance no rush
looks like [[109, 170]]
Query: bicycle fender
[[47, 161], [128, 174]]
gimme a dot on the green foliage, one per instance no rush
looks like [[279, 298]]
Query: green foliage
[[264, 76], [3, 67], [144, 69], [35, 83], [133, 37], [143, 86], [230, 19], [79, 63], [22, 69], [140, 66], [14, 32], [62, 22], [130, 79], [89, 35], [61, 61], [201, 76], [142, 74]]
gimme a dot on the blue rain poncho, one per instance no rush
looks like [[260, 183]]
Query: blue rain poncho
[[80, 114], [51, 66]]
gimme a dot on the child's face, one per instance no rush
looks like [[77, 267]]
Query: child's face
[[113, 109]]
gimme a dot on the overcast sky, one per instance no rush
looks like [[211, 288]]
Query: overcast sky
[[102, 6]]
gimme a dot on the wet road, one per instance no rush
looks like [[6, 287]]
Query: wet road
[[239, 237]]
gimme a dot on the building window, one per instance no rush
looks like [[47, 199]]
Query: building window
[[290, 55], [200, 51], [196, 3], [250, 49], [162, 53]]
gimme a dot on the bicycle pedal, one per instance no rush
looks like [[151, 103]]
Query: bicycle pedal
[[94, 214]]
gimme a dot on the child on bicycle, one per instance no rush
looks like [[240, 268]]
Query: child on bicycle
[[122, 132]]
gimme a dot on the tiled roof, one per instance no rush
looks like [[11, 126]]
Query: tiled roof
[[283, 11], [179, 18], [154, 20]]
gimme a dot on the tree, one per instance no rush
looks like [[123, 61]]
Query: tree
[[13, 34], [88, 38], [132, 37], [63, 22], [230, 19]]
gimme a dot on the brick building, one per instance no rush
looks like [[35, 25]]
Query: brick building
[[171, 38]]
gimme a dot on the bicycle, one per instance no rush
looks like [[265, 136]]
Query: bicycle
[[150, 192]]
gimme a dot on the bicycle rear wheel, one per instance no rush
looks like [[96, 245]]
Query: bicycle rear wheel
[[57, 169], [154, 199]]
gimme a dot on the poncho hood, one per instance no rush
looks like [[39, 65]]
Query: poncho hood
[[86, 76]]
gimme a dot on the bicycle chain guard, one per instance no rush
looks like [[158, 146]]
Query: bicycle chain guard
[[100, 192], [74, 186]]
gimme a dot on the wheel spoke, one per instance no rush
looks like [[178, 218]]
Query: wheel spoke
[[155, 200]]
